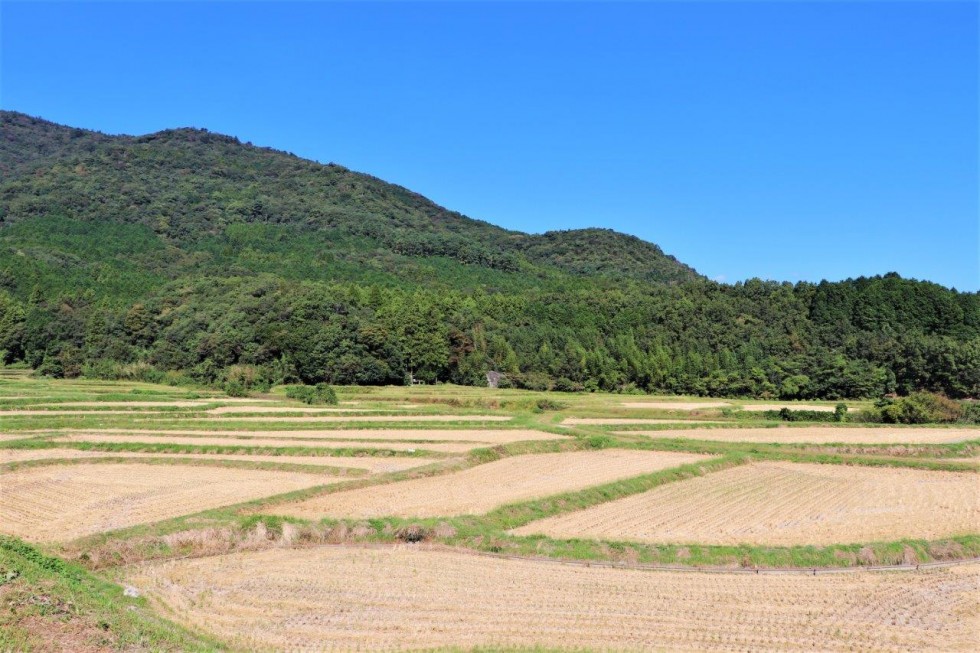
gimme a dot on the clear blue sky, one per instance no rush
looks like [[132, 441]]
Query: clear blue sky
[[782, 140]]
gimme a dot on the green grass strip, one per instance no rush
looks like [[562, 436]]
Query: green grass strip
[[50, 603]]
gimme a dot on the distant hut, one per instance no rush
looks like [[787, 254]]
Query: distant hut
[[493, 378]]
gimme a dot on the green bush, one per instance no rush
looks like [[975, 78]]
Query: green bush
[[971, 413], [567, 385], [921, 408], [548, 404], [321, 393], [788, 415], [235, 389]]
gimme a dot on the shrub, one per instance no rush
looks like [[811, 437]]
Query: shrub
[[412, 533], [321, 393], [971, 413], [235, 389], [548, 404], [567, 385], [788, 415], [921, 408]]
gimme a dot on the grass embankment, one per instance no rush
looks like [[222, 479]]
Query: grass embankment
[[53, 605], [245, 527]]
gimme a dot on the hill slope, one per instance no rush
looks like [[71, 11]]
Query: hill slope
[[191, 188], [187, 254]]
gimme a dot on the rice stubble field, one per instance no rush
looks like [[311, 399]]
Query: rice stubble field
[[784, 504], [339, 599]]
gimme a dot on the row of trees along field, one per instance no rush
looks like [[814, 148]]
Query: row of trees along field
[[858, 338]]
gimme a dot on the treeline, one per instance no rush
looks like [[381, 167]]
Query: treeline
[[190, 255], [858, 338]]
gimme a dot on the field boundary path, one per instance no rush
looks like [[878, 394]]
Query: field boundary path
[[605, 564]]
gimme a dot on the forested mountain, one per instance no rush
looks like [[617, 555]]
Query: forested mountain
[[190, 253]]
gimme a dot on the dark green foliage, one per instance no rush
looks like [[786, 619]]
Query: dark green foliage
[[920, 408], [542, 405], [321, 393], [971, 413], [186, 255], [788, 415]]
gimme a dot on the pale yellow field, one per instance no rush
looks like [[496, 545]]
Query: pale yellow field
[[969, 461], [484, 487], [56, 413], [765, 407], [336, 598], [444, 447], [487, 436], [221, 410], [784, 504], [371, 418], [190, 403], [377, 465], [823, 435], [63, 502], [616, 421], [675, 405], [13, 436]]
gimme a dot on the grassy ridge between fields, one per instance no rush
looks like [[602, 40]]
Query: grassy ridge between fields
[[50, 604], [244, 526]]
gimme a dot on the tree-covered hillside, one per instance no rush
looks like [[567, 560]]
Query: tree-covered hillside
[[189, 253]]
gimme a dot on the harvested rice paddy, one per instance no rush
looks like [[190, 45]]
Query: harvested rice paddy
[[205, 441], [784, 504], [764, 407], [619, 421], [823, 435], [484, 436], [375, 465], [371, 418], [676, 405], [336, 598], [64, 502], [479, 489]]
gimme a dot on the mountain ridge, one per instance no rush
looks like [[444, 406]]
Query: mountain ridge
[[188, 256], [359, 204]]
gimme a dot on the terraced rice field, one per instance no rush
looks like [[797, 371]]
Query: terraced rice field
[[223, 410], [620, 421], [784, 504], [484, 487], [13, 436], [375, 465], [822, 435], [675, 405], [481, 436], [765, 407], [371, 418], [60, 503], [95, 413], [204, 441], [404, 598]]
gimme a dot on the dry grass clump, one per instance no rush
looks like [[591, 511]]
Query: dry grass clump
[[337, 598]]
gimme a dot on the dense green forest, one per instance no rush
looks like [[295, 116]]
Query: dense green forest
[[186, 254]]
